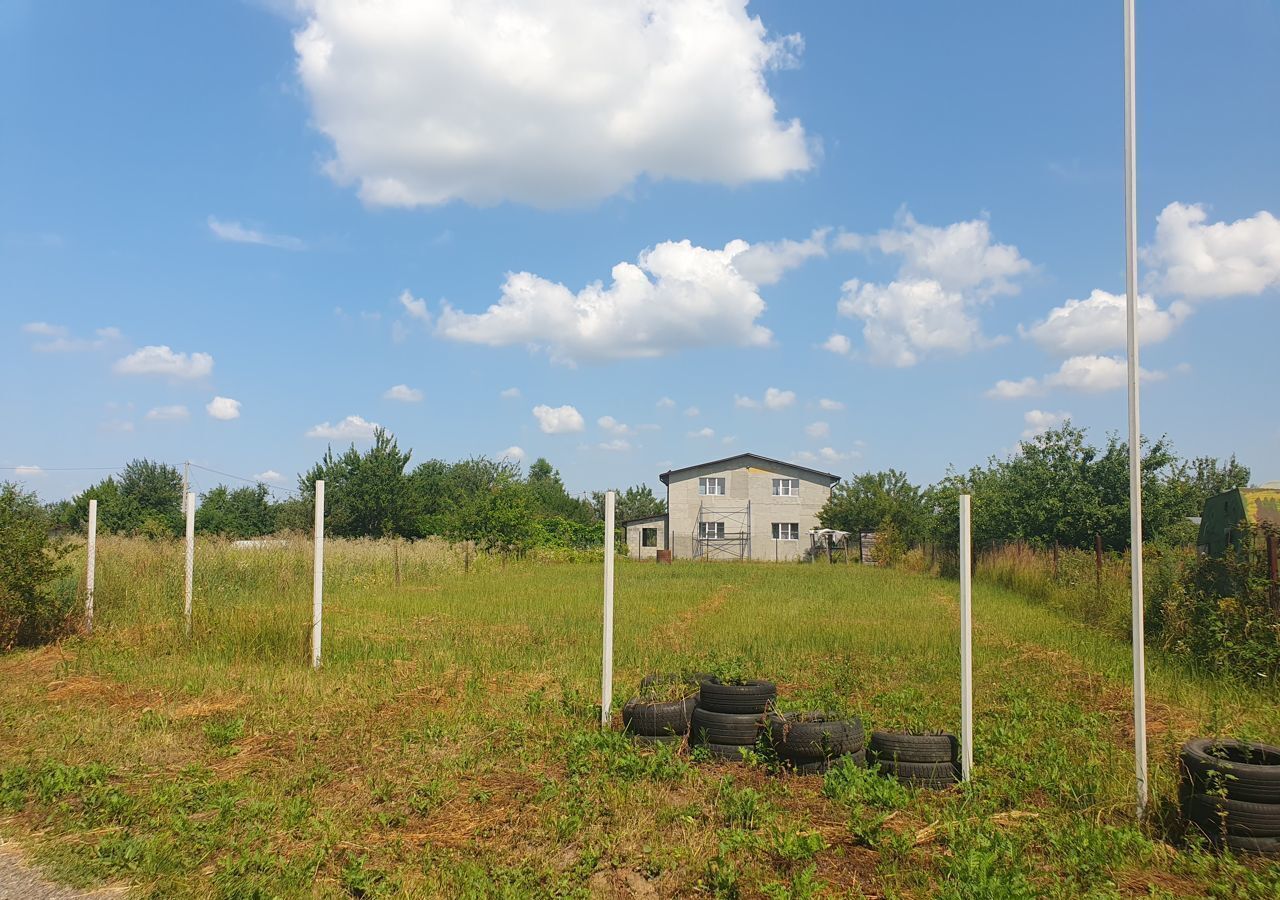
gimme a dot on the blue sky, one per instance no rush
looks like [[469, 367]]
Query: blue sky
[[298, 208]]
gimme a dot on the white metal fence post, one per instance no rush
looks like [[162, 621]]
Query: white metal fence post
[[91, 566], [191, 558], [317, 579], [606, 674], [966, 637], [1135, 432]]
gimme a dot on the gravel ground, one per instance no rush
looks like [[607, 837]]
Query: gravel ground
[[19, 880]]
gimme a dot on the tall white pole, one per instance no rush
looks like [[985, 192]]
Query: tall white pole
[[189, 502], [606, 674], [317, 578], [966, 637], [1135, 432], [91, 566], [186, 482]]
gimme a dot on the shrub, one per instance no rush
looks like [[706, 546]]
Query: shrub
[[31, 608]]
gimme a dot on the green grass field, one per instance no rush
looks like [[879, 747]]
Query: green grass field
[[450, 746]]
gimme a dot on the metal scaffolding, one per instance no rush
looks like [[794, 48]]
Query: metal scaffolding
[[732, 540]]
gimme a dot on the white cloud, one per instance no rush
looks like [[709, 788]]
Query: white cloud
[[774, 399], [552, 104], [828, 455], [44, 329], [728, 439], [1038, 422], [817, 429], [766, 263], [665, 403], [960, 256], [558, 420], [514, 453], [160, 360], [1088, 373], [223, 408], [28, 471], [415, 307], [906, 320], [1197, 260], [269, 476], [677, 296], [61, 341], [352, 428], [702, 433], [1097, 324], [403, 393], [1009, 390], [239, 234], [830, 405], [692, 411], [945, 275], [510, 393], [617, 445], [838, 344], [613, 426], [175, 413]]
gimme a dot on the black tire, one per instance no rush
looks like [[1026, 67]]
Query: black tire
[[726, 728], [651, 740], [913, 748], [930, 774], [1267, 846], [812, 736], [820, 767], [1248, 772], [659, 717], [754, 697], [1239, 818], [728, 752]]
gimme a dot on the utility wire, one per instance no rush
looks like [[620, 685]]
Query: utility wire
[[243, 478]]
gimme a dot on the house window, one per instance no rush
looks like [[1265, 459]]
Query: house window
[[786, 487], [648, 537], [711, 530], [711, 487], [786, 531]]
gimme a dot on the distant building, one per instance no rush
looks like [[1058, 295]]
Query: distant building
[[742, 507], [1226, 516]]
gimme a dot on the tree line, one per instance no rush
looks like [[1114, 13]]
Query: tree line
[[374, 493], [1058, 488]]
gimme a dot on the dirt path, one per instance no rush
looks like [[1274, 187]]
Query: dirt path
[[19, 880]]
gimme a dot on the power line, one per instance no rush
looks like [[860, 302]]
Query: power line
[[245, 479], [61, 469]]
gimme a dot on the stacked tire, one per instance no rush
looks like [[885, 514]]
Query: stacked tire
[[731, 716], [652, 721], [1230, 792], [918, 760], [808, 742]]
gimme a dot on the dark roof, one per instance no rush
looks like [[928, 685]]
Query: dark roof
[[665, 476], [642, 519]]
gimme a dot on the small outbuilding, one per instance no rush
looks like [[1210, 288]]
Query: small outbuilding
[[646, 536], [1227, 515]]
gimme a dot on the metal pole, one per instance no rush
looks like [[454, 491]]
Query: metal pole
[[189, 501], [1135, 433], [966, 638], [91, 565], [317, 578], [606, 674]]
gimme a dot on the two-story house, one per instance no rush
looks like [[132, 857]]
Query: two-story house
[[742, 507]]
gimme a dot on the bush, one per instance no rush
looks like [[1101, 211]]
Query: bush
[[31, 609]]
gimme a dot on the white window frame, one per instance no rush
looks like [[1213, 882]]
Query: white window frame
[[716, 530], [786, 487], [786, 531], [711, 486]]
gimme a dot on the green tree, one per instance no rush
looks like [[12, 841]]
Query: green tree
[[636, 502], [366, 494], [241, 513], [867, 501], [549, 498], [31, 610]]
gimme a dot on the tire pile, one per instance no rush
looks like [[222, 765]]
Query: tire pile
[[725, 718], [1230, 792], [919, 760]]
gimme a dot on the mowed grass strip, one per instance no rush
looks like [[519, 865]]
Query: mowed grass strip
[[448, 747]]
